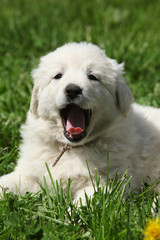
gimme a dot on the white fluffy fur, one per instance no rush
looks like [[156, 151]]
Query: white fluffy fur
[[130, 132]]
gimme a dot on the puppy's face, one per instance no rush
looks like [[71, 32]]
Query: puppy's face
[[79, 90]]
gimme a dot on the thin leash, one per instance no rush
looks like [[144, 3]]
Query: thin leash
[[65, 148]]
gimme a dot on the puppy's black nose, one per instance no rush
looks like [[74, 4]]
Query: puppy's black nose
[[72, 91]]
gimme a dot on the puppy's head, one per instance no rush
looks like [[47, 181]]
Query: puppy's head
[[80, 91]]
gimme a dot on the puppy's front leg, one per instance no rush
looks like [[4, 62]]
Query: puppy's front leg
[[19, 183], [81, 194]]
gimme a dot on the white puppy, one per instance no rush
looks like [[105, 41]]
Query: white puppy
[[80, 99]]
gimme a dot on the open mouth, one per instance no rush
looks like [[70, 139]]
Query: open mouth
[[75, 121]]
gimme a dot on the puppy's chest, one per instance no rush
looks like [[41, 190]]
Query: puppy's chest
[[76, 161]]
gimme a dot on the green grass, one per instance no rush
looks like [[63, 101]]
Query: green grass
[[128, 31], [55, 216]]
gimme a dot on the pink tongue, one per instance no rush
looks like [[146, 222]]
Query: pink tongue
[[75, 121]]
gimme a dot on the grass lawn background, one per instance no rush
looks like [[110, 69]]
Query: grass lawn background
[[129, 31]]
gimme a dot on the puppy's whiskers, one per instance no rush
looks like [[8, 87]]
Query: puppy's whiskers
[[92, 104]]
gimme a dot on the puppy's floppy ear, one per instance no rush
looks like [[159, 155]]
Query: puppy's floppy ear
[[122, 93], [34, 100], [124, 96]]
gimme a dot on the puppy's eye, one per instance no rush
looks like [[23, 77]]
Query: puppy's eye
[[92, 77], [58, 76]]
